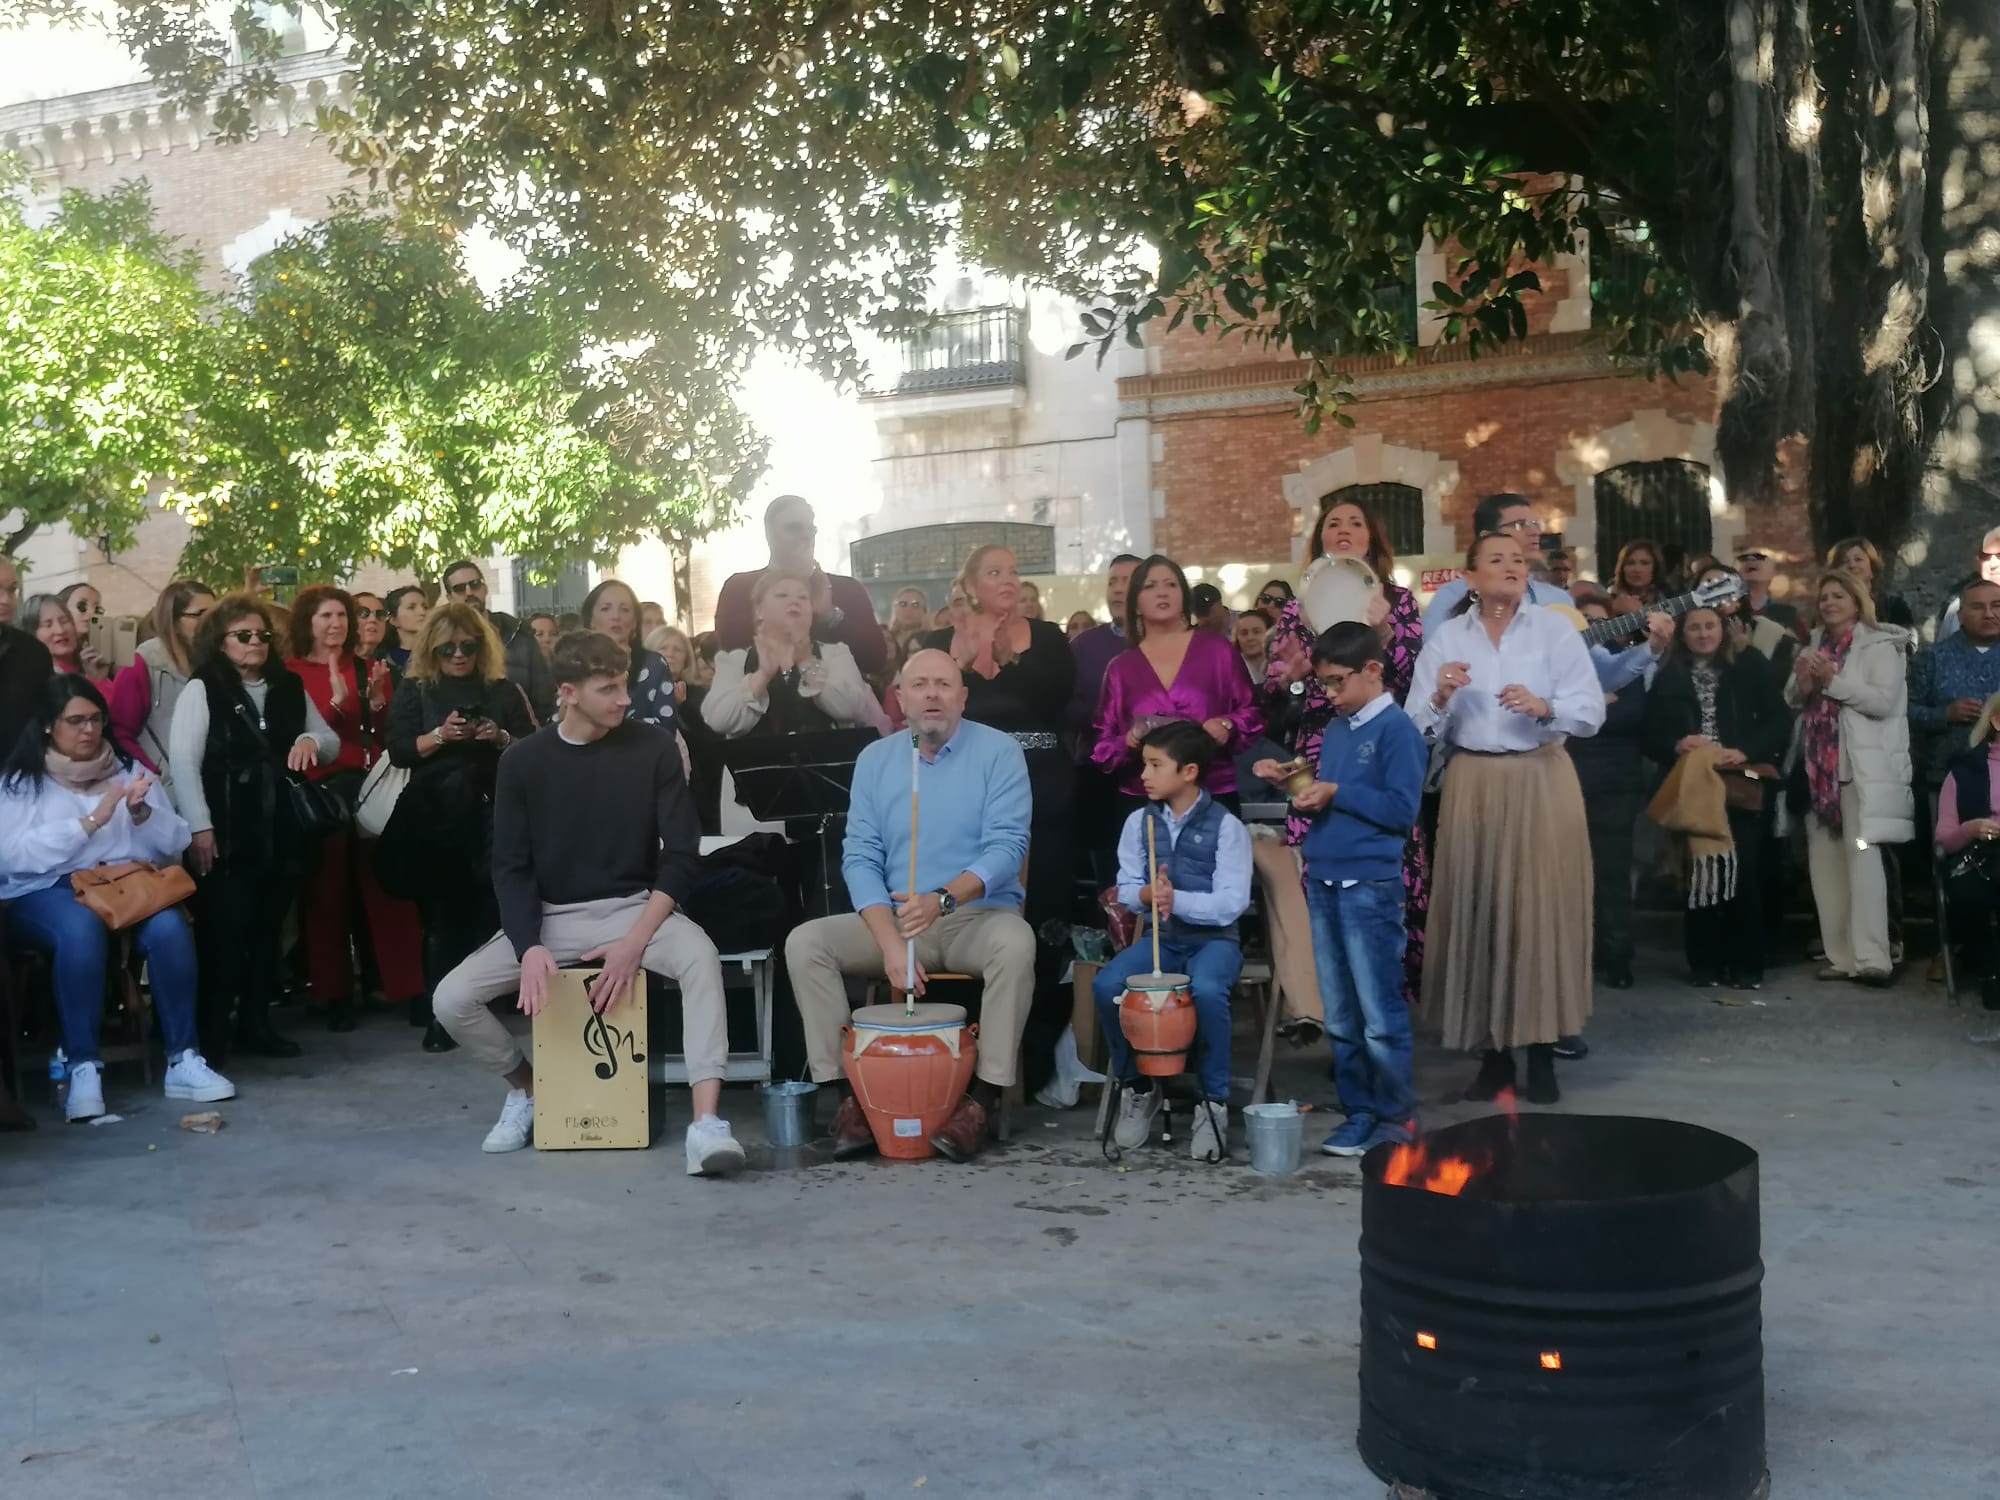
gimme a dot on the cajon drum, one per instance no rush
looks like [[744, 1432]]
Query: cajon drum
[[590, 1069]]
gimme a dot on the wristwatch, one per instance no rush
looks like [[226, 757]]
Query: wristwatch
[[947, 902]]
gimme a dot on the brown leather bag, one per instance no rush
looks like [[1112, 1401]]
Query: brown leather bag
[[1743, 787], [124, 895]]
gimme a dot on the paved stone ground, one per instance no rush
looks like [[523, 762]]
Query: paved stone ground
[[340, 1296]]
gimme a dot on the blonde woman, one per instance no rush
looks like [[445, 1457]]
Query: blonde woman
[[1019, 673], [448, 724], [1859, 558], [1854, 737], [143, 695]]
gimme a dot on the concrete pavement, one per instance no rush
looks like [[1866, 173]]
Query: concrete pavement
[[339, 1295]]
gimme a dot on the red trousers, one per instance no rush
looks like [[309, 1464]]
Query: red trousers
[[343, 883]]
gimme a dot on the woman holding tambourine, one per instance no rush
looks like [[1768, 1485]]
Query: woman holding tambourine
[[1348, 575]]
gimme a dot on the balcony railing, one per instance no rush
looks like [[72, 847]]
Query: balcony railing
[[959, 351]]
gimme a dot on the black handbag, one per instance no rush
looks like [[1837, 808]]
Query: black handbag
[[325, 807]]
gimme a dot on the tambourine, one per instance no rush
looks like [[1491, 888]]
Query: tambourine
[[1337, 589]]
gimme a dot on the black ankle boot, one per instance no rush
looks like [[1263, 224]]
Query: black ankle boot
[[1542, 1075], [256, 1038], [417, 1010], [340, 1015], [1496, 1072], [437, 1039]]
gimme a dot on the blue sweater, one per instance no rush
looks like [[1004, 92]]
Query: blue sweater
[[1378, 769]]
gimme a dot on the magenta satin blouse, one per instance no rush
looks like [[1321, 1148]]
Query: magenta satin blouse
[[1211, 684]]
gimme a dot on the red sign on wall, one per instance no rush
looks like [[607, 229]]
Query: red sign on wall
[[1433, 579]]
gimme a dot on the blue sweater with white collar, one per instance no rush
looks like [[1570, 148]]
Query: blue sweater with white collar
[[1377, 766]]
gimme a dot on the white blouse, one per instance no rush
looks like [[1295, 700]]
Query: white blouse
[[1540, 650], [43, 840], [732, 710]]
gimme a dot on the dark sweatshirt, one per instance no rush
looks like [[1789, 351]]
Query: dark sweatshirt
[[589, 823]]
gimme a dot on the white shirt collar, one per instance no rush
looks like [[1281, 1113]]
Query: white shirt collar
[[1378, 704]]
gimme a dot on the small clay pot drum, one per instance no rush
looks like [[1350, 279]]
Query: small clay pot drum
[[1157, 1017], [909, 1069]]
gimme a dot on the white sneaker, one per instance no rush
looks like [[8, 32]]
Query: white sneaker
[[711, 1150], [1209, 1140], [516, 1125], [1134, 1125], [190, 1077], [86, 1092]]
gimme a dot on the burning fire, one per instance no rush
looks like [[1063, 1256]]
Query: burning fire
[[1411, 1166]]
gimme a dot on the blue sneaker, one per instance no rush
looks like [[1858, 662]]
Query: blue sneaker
[[1390, 1133], [1351, 1139]]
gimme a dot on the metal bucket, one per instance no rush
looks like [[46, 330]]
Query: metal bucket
[[1275, 1132], [788, 1112]]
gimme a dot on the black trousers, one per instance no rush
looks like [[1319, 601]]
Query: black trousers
[[1051, 892], [1727, 940], [239, 914], [459, 914], [1610, 817]]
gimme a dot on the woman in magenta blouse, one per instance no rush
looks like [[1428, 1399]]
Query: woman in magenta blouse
[[1172, 671]]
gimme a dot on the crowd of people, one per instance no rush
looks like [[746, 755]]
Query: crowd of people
[[416, 800]]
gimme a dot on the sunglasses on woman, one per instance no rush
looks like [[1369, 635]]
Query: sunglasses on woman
[[371, 614], [245, 637], [457, 648], [1277, 600]]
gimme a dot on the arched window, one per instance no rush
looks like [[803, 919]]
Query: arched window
[[1665, 501], [1399, 507]]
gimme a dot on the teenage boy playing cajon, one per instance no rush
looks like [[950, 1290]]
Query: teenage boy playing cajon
[[1200, 888], [1371, 779]]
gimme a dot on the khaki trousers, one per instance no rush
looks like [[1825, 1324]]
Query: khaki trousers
[[679, 951], [1281, 879], [1851, 890], [989, 941]]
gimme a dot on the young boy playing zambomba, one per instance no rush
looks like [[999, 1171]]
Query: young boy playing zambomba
[[1197, 892], [1371, 779]]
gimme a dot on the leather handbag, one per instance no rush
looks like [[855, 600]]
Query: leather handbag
[[124, 895], [1744, 787], [379, 795], [324, 807]]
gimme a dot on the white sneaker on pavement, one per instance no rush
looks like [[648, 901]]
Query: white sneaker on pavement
[[86, 1092], [1209, 1140], [516, 1125], [1134, 1126], [190, 1077], [711, 1150]]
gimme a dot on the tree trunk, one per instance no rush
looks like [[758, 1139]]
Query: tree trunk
[[1960, 493]]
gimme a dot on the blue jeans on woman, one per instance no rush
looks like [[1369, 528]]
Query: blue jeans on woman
[[1211, 968], [1358, 951], [53, 921]]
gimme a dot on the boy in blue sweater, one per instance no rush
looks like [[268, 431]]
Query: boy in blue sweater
[[1200, 888], [1371, 779]]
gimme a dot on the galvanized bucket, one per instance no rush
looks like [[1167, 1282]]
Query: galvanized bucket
[[788, 1112]]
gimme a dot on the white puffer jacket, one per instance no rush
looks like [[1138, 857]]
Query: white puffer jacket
[[1872, 689]]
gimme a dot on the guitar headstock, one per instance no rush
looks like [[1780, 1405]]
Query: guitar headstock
[[1725, 588]]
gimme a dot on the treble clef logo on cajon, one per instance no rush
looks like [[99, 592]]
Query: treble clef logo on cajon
[[603, 1040]]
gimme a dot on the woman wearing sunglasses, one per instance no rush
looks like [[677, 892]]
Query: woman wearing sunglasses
[[448, 723], [241, 726]]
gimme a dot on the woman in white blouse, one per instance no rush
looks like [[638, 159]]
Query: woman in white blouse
[[785, 682], [1503, 683], [71, 799]]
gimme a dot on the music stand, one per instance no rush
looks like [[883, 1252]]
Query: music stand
[[798, 778]]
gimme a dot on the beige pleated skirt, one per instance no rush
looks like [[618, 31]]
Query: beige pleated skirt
[[1508, 963]]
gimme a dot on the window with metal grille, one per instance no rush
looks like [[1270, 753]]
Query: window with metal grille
[[1399, 508], [563, 592], [1665, 501]]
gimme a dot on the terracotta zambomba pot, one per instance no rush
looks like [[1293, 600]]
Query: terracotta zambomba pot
[[1157, 1017], [909, 1070]]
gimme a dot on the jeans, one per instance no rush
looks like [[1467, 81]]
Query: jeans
[[1211, 968], [1358, 945], [53, 921]]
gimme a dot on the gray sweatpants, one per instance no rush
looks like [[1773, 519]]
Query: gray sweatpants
[[679, 951]]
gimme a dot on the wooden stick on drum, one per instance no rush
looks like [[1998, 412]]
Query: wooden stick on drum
[[910, 944], [1152, 876]]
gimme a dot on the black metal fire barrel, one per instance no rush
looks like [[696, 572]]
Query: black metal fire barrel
[[1581, 1322]]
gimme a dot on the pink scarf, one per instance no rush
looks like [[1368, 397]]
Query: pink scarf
[[1822, 721], [85, 776]]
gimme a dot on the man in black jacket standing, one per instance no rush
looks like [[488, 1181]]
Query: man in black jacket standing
[[595, 841], [527, 668]]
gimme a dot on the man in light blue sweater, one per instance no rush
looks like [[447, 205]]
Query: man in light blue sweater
[[1364, 804]]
